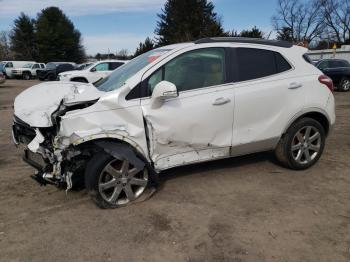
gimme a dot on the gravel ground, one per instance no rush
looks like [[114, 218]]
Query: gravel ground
[[241, 209]]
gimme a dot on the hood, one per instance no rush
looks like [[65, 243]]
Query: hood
[[72, 72], [21, 68], [36, 104]]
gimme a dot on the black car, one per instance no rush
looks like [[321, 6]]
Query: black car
[[53, 69], [338, 70]]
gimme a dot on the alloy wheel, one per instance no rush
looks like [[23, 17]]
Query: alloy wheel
[[306, 145], [346, 85], [121, 183]]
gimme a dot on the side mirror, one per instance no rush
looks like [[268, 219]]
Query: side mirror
[[93, 69], [162, 91]]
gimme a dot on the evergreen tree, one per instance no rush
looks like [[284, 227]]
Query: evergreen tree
[[144, 47], [22, 38], [253, 33], [57, 39], [187, 20]]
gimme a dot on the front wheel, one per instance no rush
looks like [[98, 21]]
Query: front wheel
[[114, 183], [302, 145], [26, 76]]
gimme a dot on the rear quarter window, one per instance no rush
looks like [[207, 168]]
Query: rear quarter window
[[257, 63]]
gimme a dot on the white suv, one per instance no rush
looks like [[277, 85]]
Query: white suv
[[92, 73], [28, 71], [176, 105]]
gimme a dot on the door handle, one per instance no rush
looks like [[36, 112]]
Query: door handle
[[295, 85], [221, 101]]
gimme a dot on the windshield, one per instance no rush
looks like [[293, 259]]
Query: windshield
[[29, 65], [51, 65], [128, 70]]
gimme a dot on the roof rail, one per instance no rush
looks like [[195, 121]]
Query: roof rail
[[246, 40]]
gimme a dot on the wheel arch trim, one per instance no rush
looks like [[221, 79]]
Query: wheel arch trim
[[305, 112]]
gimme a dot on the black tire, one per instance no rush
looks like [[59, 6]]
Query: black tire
[[26, 76], [284, 153], [93, 174], [79, 79], [51, 77], [344, 84]]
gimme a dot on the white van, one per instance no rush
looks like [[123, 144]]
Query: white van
[[9, 65]]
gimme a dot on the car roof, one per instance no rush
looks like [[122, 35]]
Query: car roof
[[111, 60], [245, 40], [333, 59]]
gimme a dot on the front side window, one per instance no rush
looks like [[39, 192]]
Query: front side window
[[9, 65], [102, 67], [257, 63], [192, 70], [36, 66], [114, 65]]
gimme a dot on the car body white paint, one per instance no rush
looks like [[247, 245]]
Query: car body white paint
[[255, 115], [18, 71], [87, 73], [10, 65]]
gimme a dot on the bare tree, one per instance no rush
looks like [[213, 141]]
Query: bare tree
[[5, 52], [336, 15], [303, 19]]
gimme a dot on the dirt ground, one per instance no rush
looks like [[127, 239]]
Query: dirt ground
[[242, 209]]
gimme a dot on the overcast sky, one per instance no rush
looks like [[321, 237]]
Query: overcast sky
[[117, 24]]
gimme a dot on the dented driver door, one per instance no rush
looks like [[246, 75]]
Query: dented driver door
[[197, 125]]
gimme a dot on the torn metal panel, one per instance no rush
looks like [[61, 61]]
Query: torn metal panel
[[88, 124]]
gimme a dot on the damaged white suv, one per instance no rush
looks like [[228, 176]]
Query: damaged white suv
[[175, 105]]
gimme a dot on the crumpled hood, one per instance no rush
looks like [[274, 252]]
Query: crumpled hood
[[36, 104]]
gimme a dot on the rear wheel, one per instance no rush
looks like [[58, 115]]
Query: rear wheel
[[344, 84], [114, 183], [302, 145]]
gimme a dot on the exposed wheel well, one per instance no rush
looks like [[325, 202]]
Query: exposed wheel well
[[319, 117], [79, 79]]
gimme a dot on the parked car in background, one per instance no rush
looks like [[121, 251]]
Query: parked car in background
[[92, 73], [172, 106], [53, 69], [338, 70], [10, 65], [28, 71], [2, 78]]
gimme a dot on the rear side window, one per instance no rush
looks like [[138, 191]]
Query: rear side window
[[257, 63], [338, 63]]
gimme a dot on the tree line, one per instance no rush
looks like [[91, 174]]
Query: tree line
[[50, 37], [321, 23]]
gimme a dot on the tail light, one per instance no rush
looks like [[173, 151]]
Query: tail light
[[323, 79]]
